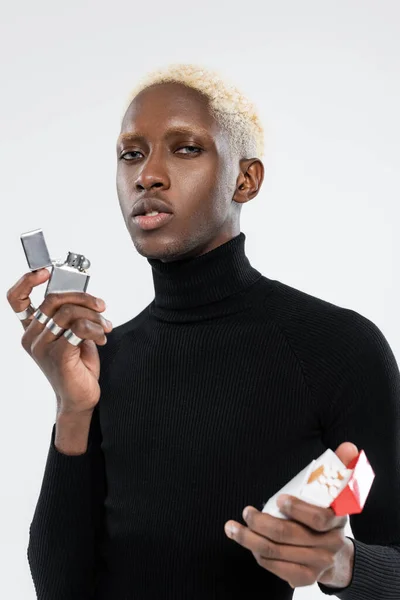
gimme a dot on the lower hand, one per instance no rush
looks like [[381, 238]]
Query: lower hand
[[307, 548]]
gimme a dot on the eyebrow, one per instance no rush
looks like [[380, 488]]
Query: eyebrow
[[181, 130]]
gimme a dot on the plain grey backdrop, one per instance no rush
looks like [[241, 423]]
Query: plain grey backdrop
[[325, 77]]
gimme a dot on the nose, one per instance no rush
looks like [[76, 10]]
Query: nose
[[152, 175]]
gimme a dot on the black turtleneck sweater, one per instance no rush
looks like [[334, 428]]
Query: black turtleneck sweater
[[213, 397]]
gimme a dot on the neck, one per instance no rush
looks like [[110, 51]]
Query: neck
[[194, 286]]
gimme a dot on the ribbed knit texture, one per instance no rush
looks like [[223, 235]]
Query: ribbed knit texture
[[213, 397]]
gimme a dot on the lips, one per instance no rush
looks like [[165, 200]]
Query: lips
[[153, 222], [145, 205]]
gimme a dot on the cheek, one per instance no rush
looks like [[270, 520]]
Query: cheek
[[199, 183], [124, 188], [122, 179]]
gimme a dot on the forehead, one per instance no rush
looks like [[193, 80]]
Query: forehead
[[167, 104]]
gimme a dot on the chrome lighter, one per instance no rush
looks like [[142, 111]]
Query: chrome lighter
[[67, 276]]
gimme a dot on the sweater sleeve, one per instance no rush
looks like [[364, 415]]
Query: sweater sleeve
[[366, 411], [66, 530]]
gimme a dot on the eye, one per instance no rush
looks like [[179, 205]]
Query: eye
[[124, 155], [193, 150], [197, 150]]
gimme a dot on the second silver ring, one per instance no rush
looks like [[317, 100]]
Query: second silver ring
[[40, 316]]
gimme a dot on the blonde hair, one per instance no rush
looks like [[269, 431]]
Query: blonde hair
[[230, 108]]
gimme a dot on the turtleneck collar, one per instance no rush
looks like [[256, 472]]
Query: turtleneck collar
[[196, 283]]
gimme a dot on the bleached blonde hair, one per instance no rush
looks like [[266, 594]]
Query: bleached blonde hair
[[230, 108]]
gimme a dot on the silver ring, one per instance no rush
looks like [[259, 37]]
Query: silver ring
[[40, 316], [24, 314], [53, 327], [72, 338]]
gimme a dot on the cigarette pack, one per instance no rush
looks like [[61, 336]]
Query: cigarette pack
[[327, 482]]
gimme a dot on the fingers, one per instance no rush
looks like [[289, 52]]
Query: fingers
[[77, 311], [18, 295], [281, 531], [266, 550], [347, 451], [85, 323], [285, 531], [317, 518]]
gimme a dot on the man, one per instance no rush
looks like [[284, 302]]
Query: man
[[213, 397]]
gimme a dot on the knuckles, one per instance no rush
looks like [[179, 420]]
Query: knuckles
[[279, 531], [267, 551], [83, 327], [66, 311], [55, 299], [69, 313], [337, 540], [321, 521], [276, 529]]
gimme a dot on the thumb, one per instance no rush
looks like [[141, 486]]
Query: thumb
[[346, 452]]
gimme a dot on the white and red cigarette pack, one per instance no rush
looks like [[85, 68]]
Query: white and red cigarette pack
[[327, 482]]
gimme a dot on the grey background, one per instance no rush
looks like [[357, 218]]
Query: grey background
[[325, 77]]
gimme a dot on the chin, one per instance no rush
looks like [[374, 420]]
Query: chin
[[161, 249]]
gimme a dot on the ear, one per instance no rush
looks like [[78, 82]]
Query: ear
[[249, 180]]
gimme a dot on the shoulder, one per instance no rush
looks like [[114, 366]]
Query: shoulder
[[329, 340], [310, 317]]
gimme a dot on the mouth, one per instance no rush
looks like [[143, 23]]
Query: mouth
[[152, 220]]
